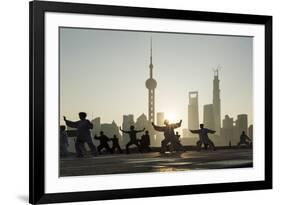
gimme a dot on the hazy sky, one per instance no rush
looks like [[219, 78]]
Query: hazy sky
[[103, 73]]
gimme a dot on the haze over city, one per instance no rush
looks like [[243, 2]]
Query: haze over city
[[103, 73]]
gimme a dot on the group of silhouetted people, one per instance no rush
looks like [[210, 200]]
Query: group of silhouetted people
[[83, 127], [171, 141], [142, 144], [104, 143]]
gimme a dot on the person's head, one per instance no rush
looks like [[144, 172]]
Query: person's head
[[132, 127], [166, 122], [201, 126], [114, 136], [177, 133], [62, 128], [146, 132], [243, 132], [101, 132], [82, 115]]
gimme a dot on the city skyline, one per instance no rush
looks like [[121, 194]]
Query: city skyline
[[83, 93]]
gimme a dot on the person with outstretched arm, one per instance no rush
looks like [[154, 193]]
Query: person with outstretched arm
[[103, 142], [203, 137], [133, 137], [244, 139], [83, 127], [169, 133]]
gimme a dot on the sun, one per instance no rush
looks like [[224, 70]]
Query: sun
[[171, 117]]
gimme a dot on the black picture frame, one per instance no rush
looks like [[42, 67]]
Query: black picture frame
[[37, 9]]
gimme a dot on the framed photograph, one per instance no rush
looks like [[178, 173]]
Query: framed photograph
[[130, 102]]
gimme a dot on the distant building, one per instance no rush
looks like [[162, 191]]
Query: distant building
[[241, 124], [128, 120], [110, 129], [185, 132], [193, 114], [250, 132], [160, 118], [208, 118], [96, 126], [216, 102], [159, 136], [143, 122], [227, 130]]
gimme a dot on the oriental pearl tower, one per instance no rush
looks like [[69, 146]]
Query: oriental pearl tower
[[151, 85]]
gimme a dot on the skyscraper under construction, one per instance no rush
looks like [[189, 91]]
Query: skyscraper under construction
[[216, 102]]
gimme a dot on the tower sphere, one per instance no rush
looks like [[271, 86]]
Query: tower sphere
[[151, 83]]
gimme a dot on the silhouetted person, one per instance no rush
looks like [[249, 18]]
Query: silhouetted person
[[176, 143], [115, 144], [133, 137], [203, 137], [145, 142], [63, 142], [244, 139], [169, 133], [83, 134], [103, 142]]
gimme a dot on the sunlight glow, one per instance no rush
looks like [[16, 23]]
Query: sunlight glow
[[171, 117]]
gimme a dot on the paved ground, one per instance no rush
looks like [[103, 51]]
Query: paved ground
[[156, 162]]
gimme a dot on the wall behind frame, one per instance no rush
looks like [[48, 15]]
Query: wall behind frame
[[14, 84]]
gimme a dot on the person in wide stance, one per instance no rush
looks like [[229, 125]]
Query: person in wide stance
[[103, 142], [203, 137], [244, 140], [169, 133], [83, 127], [133, 138]]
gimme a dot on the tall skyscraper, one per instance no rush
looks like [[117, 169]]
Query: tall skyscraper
[[151, 85], [227, 130], [216, 102], [193, 114], [242, 124], [160, 121], [160, 118], [128, 120], [208, 118], [250, 132], [185, 133]]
